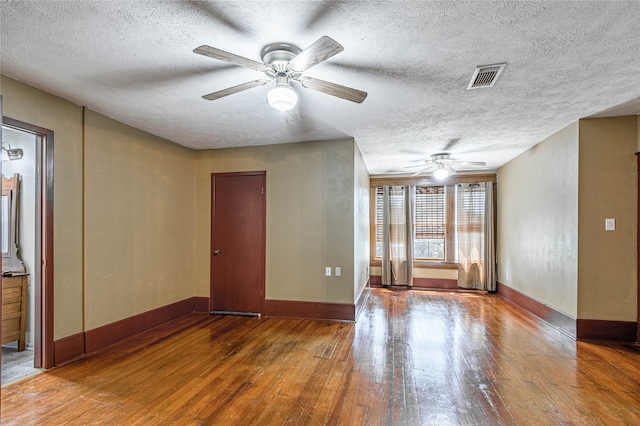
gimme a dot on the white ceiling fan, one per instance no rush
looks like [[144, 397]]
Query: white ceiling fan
[[284, 63], [441, 165]]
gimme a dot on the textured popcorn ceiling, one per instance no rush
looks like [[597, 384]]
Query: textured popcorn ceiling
[[133, 61]]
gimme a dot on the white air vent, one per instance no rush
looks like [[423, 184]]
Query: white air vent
[[486, 75]]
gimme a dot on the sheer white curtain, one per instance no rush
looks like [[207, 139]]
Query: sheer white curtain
[[397, 235], [490, 239], [475, 236]]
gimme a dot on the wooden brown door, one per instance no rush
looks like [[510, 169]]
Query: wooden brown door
[[237, 242]]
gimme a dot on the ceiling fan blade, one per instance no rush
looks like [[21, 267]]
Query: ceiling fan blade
[[333, 89], [423, 170], [235, 89], [324, 48], [470, 163], [214, 53]]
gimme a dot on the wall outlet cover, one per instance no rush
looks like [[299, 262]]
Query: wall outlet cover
[[609, 224]]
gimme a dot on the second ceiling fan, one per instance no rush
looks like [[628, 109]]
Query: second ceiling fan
[[284, 63], [441, 163]]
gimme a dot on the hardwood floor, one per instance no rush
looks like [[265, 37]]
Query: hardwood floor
[[413, 358]]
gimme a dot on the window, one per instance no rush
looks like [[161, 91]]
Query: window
[[429, 222], [470, 202], [378, 221]]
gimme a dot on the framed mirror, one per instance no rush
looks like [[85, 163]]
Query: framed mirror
[[11, 262], [5, 225]]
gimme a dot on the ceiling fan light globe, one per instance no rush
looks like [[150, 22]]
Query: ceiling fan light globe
[[441, 174], [282, 98]]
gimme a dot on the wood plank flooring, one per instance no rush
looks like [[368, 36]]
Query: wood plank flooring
[[413, 358]]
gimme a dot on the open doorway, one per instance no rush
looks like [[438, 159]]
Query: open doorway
[[27, 168], [19, 168]]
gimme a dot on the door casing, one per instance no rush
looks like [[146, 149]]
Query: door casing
[[43, 327]]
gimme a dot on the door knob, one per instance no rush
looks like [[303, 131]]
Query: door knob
[[216, 252]]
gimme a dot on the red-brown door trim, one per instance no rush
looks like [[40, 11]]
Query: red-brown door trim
[[43, 339]]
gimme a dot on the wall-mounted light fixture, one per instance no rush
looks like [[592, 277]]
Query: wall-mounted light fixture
[[10, 154]]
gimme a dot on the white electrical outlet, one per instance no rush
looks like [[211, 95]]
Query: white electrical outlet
[[338, 271], [609, 224], [327, 271]]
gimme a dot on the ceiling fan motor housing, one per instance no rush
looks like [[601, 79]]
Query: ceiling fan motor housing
[[441, 157], [278, 55]]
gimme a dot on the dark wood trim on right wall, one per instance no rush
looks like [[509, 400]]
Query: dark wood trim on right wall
[[580, 329], [589, 329], [362, 299], [557, 319]]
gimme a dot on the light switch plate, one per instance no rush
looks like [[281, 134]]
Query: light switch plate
[[609, 224], [327, 271]]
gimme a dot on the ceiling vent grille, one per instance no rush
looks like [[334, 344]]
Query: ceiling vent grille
[[486, 75]]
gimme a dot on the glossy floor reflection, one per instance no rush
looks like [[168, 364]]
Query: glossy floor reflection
[[413, 358]]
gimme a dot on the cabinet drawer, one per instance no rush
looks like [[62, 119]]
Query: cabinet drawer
[[11, 295], [11, 310], [9, 327]]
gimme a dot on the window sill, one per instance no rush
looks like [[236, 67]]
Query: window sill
[[424, 264], [434, 264]]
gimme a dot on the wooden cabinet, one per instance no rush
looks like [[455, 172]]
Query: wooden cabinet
[[14, 310]]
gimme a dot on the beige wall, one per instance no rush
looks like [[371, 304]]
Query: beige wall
[[139, 230], [608, 189], [30, 105], [139, 250], [552, 245], [310, 216], [143, 240], [537, 246], [361, 223]]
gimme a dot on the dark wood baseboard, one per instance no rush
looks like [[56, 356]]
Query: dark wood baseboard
[[429, 283], [201, 304], [310, 310], [107, 335], [557, 319], [364, 295], [68, 349], [589, 329], [580, 329], [439, 283], [78, 346]]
